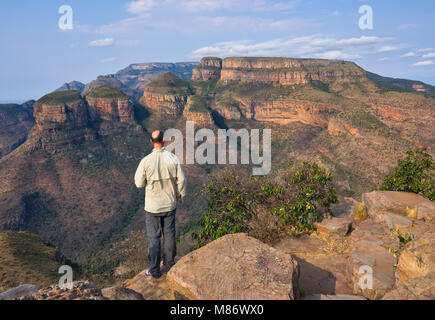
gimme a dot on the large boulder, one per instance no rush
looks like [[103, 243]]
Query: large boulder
[[402, 203], [22, 290], [422, 288], [418, 258], [235, 267], [369, 253]]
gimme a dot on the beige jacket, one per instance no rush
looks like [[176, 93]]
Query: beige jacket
[[161, 174]]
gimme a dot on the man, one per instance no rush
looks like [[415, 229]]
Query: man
[[161, 174]]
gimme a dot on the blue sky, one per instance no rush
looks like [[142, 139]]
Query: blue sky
[[107, 35]]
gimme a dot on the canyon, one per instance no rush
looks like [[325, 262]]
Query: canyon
[[66, 174]]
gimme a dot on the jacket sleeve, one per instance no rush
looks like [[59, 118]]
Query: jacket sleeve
[[181, 181], [140, 176]]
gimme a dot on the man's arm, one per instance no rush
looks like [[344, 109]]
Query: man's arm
[[140, 176], [181, 182]]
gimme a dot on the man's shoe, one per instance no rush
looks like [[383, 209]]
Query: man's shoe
[[149, 274]]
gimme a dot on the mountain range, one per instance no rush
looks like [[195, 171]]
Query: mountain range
[[67, 160]]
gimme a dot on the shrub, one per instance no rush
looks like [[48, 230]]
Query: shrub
[[293, 199], [414, 174]]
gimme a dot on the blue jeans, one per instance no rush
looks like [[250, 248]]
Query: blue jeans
[[156, 225]]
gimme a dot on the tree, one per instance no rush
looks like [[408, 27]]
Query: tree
[[414, 174], [293, 199]]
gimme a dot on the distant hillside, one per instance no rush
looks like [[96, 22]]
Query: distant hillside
[[109, 81], [73, 85], [26, 258], [137, 76], [392, 84], [15, 123]]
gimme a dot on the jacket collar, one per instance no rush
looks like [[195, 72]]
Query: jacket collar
[[159, 150]]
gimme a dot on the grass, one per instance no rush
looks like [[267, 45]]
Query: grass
[[198, 105], [25, 258], [107, 92], [61, 97], [169, 83]]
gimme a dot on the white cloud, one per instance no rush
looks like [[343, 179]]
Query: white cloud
[[310, 46], [140, 7], [429, 55], [409, 54], [423, 63], [426, 50], [336, 13], [108, 42], [107, 60], [387, 49], [407, 26], [336, 54]]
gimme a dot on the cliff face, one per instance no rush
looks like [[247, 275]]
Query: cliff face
[[285, 71], [110, 109], [15, 123], [167, 104], [68, 115], [197, 112], [285, 110], [208, 69]]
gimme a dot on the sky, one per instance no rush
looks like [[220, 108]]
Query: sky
[[38, 56]]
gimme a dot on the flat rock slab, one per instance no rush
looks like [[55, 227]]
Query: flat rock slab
[[299, 246], [333, 297], [121, 293], [235, 267], [334, 227], [323, 275], [149, 288], [20, 291], [404, 203]]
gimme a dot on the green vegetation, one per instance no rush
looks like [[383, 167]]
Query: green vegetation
[[61, 97], [198, 104], [414, 174], [169, 83], [107, 92], [25, 258], [293, 200], [400, 85]]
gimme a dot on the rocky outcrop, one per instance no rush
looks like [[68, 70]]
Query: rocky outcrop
[[405, 204], [81, 290], [422, 288], [167, 95], [60, 110], [165, 104], [235, 267], [418, 257], [110, 109], [208, 69], [285, 71], [197, 112]]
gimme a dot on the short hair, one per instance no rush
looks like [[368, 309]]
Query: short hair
[[157, 138]]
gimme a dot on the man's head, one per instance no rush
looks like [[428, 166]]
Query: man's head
[[157, 139]]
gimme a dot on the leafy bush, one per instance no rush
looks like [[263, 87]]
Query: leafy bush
[[293, 199], [414, 174]]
